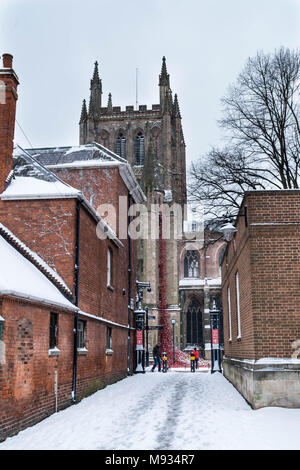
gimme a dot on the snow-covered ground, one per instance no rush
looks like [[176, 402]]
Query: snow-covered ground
[[155, 411]]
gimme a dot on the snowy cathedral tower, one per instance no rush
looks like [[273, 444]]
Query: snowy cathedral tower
[[152, 141]]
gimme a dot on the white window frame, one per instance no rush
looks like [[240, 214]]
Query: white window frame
[[229, 313], [108, 267], [109, 340], [238, 310], [81, 334]]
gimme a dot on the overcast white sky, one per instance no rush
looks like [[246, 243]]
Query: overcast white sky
[[206, 44]]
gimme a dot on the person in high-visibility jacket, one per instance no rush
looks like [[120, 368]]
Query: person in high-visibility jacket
[[196, 354], [165, 362], [192, 358]]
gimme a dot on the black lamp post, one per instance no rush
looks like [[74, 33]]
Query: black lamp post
[[147, 336], [140, 314], [215, 338]]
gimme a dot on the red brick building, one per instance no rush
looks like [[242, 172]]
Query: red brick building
[[260, 296], [65, 323]]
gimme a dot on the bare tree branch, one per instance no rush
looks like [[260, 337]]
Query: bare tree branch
[[262, 122]]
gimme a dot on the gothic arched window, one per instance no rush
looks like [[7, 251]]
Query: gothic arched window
[[139, 149], [121, 145], [191, 264], [194, 333]]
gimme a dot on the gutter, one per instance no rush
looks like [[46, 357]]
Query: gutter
[[104, 320], [129, 285], [75, 353], [40, 300]]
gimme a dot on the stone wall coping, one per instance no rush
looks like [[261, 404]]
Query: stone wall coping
[[265, 364]]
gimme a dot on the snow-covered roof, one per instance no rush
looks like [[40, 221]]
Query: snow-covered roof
[[30, 179], [89, 156], [28, 187], [19, 277], [35, 258], [93, 153]]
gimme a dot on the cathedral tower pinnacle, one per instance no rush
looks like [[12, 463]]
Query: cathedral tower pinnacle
[[164, 85], [96, 92]]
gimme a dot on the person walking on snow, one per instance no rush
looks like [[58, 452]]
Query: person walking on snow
[[156, 356]]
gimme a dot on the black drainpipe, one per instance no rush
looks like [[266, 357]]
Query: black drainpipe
[[74, 394], [129, 286]]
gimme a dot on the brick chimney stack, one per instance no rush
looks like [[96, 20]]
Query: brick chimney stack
[[8, 100]]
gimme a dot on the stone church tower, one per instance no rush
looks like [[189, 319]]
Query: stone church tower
[[152, 141]]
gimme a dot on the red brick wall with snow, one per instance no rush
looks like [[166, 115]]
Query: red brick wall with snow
[[48, 227]]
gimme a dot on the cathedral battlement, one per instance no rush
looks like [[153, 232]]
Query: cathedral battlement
[[117, 111]]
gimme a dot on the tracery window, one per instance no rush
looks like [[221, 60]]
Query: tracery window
[[191, 264], [121, 145], [139, 149]]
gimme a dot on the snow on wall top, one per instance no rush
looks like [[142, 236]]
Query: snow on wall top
[[21, 278], [200, 282]]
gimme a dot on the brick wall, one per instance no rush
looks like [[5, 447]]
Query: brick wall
[[267, 257], [99, 186], [47, 227], [94, 295], [27, 372]]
